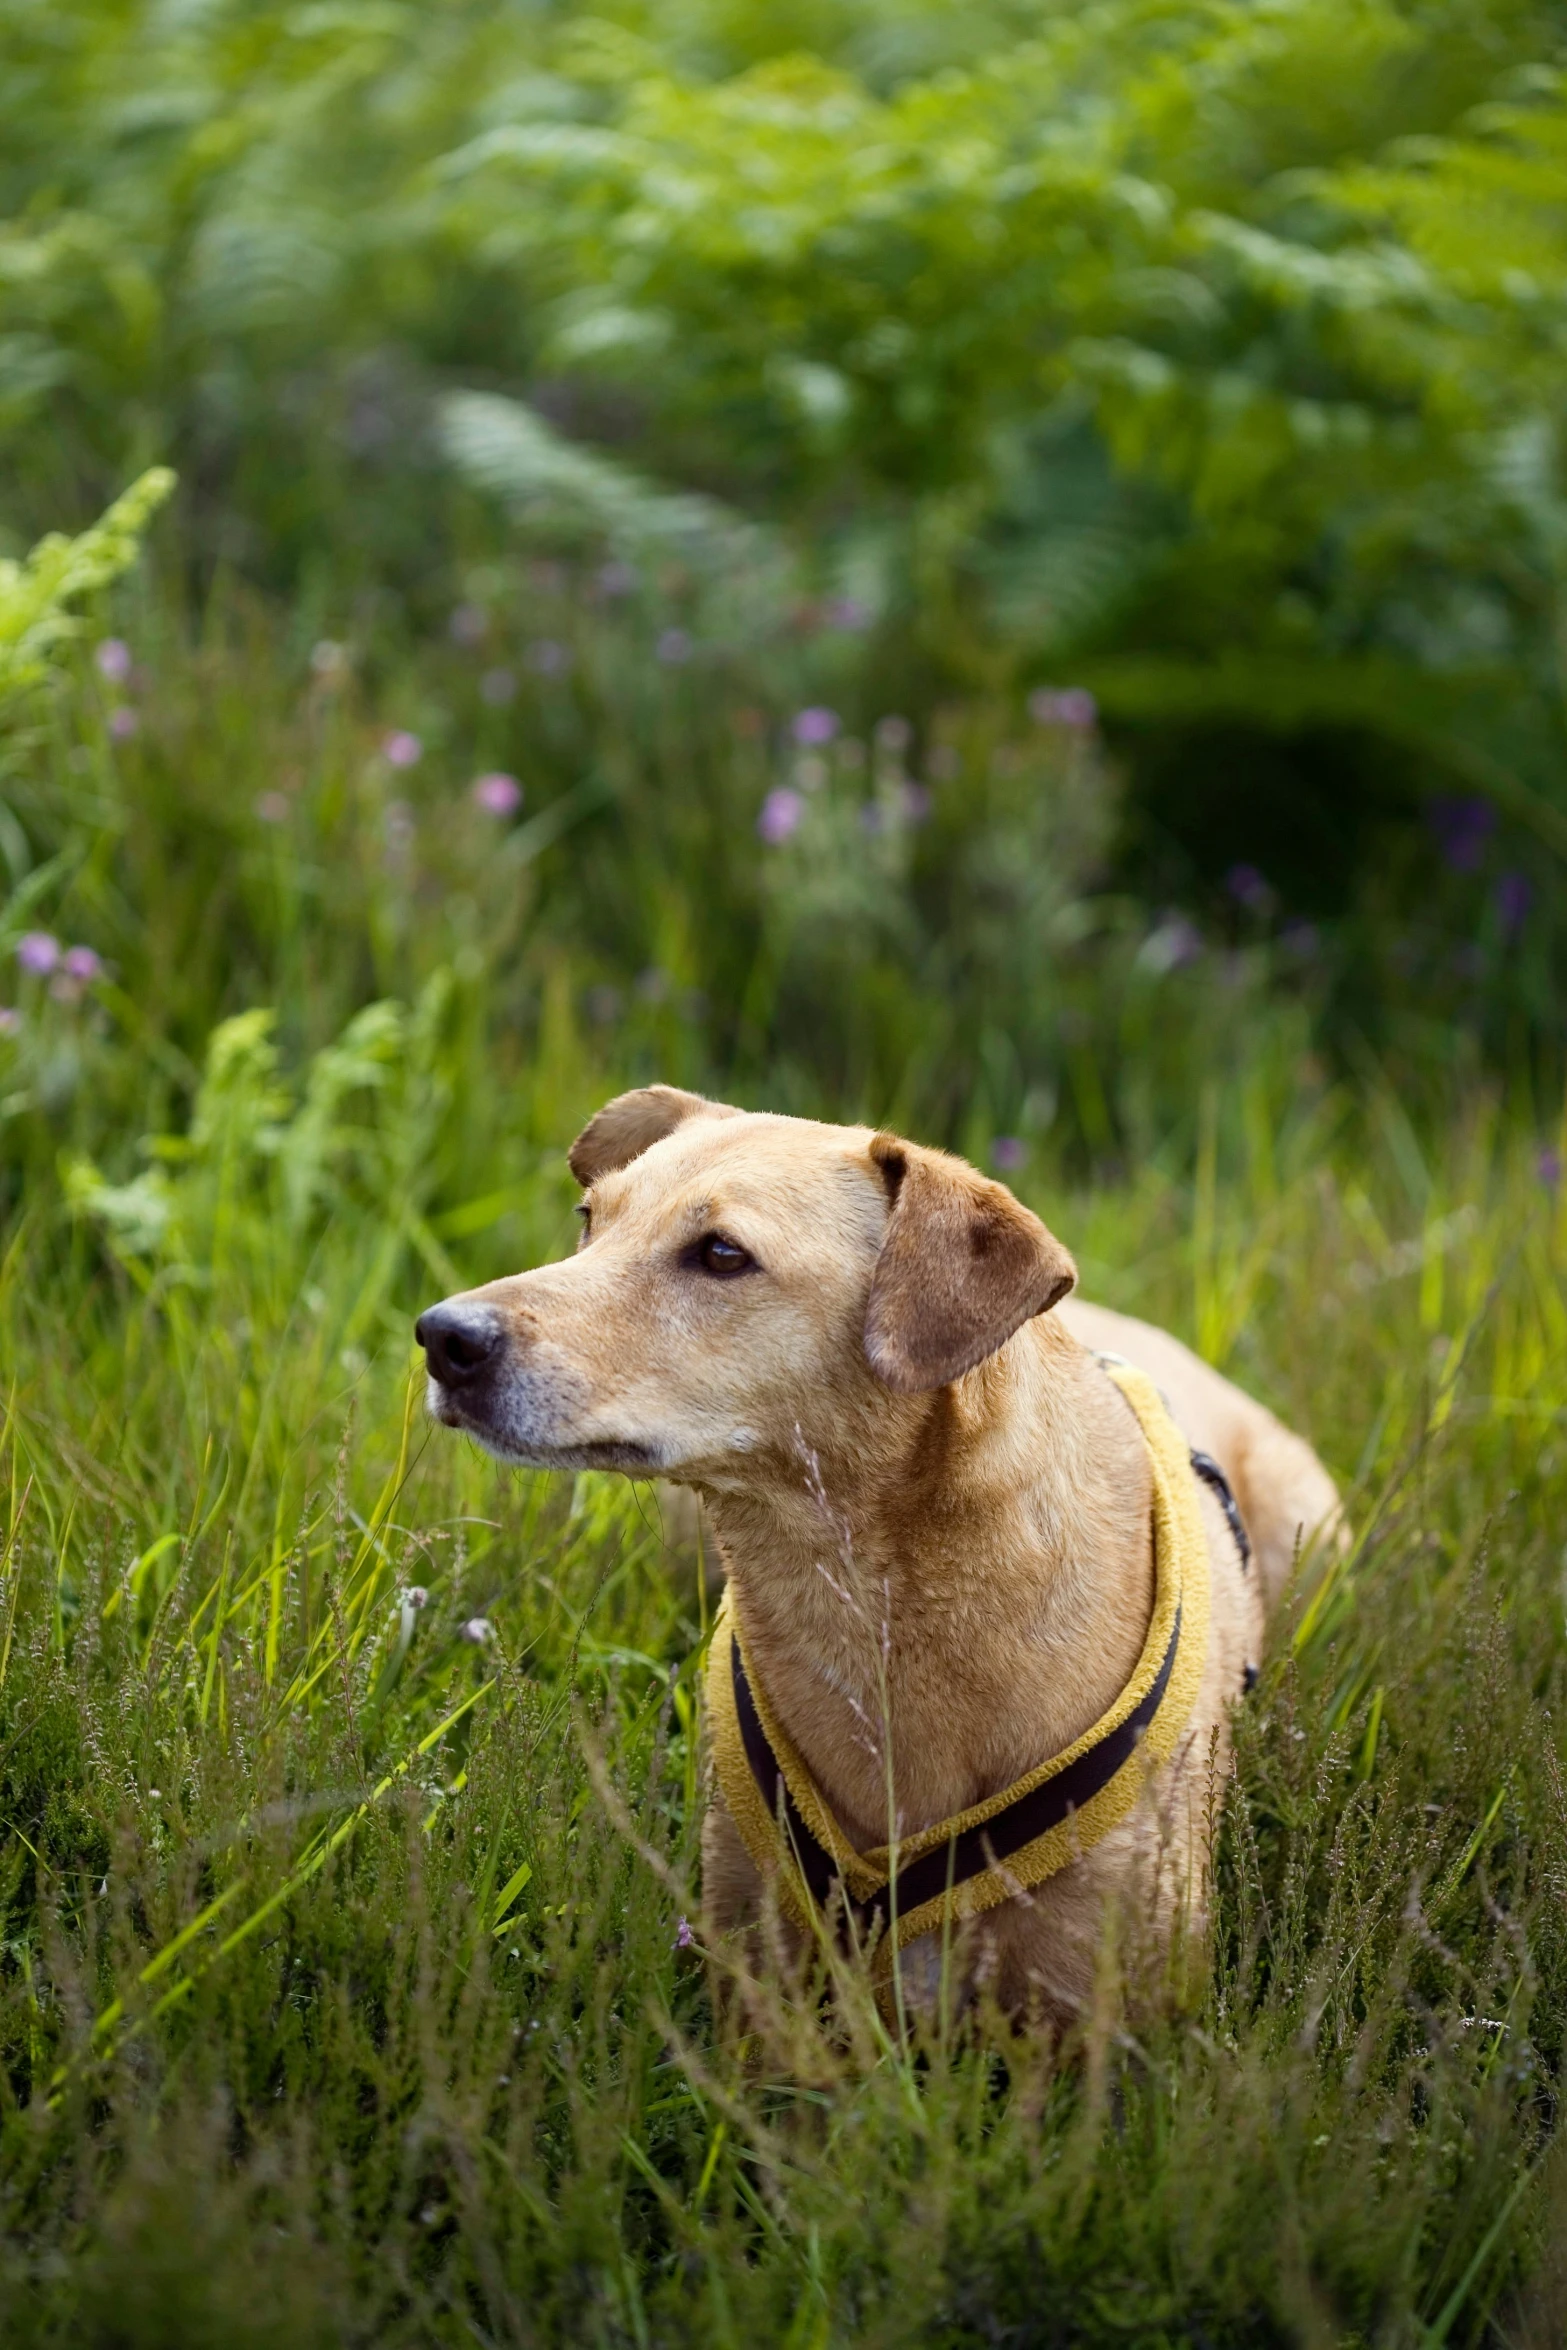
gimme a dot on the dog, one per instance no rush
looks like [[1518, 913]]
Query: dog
[[963, 1538]]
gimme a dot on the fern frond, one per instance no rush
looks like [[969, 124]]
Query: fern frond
[[35, 593]]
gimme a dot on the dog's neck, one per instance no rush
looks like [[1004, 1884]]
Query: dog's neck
[[953, 1587]]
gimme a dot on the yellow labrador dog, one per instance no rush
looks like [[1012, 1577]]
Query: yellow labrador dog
[[984, 1618]]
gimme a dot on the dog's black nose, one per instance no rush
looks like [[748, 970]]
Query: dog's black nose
[[459, 1340]]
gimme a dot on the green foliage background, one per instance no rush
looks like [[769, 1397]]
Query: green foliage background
[[755, 431], [1208, 356]]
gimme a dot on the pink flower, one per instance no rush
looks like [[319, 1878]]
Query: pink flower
[[123, 723], [113, 658], [815, 726], [83, 964], [402, 749], [38, 951], [272, 807], [498, 794], [780, 816], [478, 1629]]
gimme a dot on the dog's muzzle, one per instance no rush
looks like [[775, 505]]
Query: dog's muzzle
[[462, 1342]]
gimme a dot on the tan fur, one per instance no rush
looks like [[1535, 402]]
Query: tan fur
[[932, 1501]]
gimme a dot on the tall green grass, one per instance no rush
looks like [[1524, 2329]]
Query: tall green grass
[[350, 1786]]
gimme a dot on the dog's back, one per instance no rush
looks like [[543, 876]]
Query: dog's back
[[1286, 1497]]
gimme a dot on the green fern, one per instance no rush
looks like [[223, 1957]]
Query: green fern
[[35, 594]]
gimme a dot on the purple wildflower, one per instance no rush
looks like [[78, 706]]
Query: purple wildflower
[[1548, 1166], [547, 658], [272, 807], [1008, 1152], [1462, 828], [83, 964], [123, 723], [478, 1629], [497, 794], [673, 647], [1514, 897], [616, 579], [467, 625], [1073, 706], [780, 816], [1249, 888], [402, 749], [38, 951], [497, 687], [816, 726], [416, 1596], [684, 1938], [113, 658]]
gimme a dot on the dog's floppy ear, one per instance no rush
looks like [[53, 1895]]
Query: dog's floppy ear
[[962, 1266], [631, 1124]]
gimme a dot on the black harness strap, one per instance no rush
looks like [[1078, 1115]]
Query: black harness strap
[[1211, 1474], [816, 1864], [972, 1851]]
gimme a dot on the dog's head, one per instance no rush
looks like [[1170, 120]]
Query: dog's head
[[743, 1283]]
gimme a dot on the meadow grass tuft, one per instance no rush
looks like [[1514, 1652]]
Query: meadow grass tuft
[[349, 1789]]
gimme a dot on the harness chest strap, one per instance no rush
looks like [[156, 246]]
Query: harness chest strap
[[1033, 1828]]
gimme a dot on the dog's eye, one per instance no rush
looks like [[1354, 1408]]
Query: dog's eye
[[725, 1258]]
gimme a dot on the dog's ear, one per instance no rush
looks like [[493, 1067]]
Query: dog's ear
[[962, 1266], [631, 1124]]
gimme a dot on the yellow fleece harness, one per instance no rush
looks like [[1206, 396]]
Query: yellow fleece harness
[[1013, 1840]]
